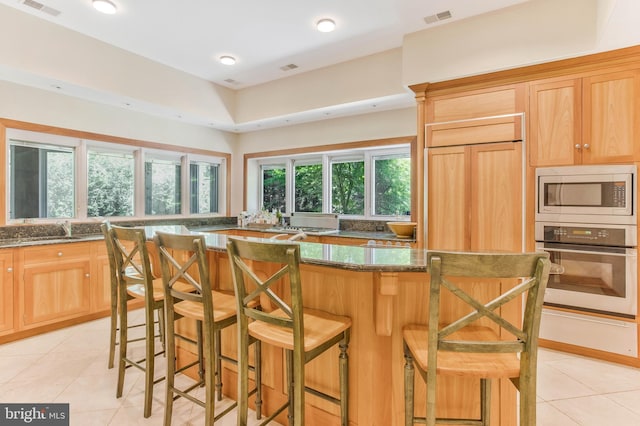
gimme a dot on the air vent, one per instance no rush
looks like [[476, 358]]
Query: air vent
[[41, 7], [289, 67], [231, 81], [438, 17]]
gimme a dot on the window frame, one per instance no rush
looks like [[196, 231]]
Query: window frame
[[83, 142], [367, 150]]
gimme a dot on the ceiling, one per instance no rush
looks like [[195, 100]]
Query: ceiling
[[263, 36]]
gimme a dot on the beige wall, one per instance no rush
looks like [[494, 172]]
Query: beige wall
[[32, 105], [527, 33], [48, 51], [370, 77], [379, 125]]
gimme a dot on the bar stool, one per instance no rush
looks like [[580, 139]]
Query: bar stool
[[496, 348], [302, 333], [135, 279], [113, 278], [184, 261]]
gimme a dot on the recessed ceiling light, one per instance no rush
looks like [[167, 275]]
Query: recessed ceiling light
[[105, 6], [227, 60], [326, 25]]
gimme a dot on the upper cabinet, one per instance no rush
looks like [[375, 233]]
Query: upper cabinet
[[476, 116], [589, 120]]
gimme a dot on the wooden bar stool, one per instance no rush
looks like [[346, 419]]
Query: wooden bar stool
[[302, 333], [183, 260], [476, 340], [136, 280], [113, 278]]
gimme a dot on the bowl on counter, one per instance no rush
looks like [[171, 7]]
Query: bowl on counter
[[402, 229]]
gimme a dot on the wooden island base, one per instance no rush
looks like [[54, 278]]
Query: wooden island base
[[379, 304]]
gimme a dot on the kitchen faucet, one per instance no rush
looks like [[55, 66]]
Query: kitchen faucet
[[66, 226]]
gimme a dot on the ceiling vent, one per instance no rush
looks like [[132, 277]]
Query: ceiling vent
[[438, 17], [289, 67], [41, 7], [231, 81]]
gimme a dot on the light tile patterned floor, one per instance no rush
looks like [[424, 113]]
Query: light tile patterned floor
[[69, 365]]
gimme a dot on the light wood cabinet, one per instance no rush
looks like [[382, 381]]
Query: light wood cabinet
[[101, 285], [7, 291], [55, 285], [589, 120], [475, 197], [476, 116]]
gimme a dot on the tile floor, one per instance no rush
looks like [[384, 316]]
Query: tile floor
[[69, 365]]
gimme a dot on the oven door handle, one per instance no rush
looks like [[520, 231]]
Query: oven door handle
[[631, 252]]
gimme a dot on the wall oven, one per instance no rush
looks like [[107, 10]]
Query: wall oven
[[599, 265], [586, 219]]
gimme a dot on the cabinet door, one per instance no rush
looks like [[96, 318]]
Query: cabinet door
[[611, 126], [555, 135], [474, 116], [475, 197], [101, 286], [6, 290], [56, 284], [447, 193], [496, 197]]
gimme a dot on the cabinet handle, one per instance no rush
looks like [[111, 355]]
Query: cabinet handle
[[586, 146], [87, 275], [9, 269], [59, 254], [578, 146]]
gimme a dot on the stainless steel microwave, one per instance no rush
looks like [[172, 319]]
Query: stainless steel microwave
[[586, 194]]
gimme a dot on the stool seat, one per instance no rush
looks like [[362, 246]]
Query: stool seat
[[225, 307], [138, 290], [319, 327], [467, 364]]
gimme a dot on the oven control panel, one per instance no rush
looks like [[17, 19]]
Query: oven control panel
[[584, 235]]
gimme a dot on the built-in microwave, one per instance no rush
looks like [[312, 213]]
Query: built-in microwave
[[586, 194]]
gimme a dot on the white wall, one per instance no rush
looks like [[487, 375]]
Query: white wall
[[39, 106]]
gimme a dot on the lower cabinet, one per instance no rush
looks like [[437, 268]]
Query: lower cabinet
[[56, 284], [7, 292], [101, 278]]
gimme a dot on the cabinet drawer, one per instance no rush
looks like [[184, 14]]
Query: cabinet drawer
[[55, 252]]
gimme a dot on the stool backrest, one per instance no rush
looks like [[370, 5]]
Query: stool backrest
[[131, 254], [510, 276], [183, 260], [284, 257]]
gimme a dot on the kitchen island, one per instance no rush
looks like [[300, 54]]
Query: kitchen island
[[381, 289]]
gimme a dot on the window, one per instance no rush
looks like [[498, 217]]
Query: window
[[50, 177], [308, 187], [347, 187], [110, 184], [369, 182], [274, 187], [392, 184], [42, 181], [203, 187], [162, 192]]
